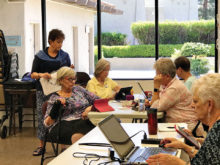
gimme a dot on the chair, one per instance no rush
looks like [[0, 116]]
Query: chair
[[82, 79], [48, 139]]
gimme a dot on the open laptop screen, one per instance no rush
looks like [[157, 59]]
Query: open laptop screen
[[113, 131]]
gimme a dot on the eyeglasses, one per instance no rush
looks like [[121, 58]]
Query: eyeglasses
[[70, 79]]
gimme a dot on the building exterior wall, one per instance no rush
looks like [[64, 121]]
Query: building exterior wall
[[133, 10], [24, 15]]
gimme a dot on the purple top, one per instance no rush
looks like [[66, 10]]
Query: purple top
[[79, 100]]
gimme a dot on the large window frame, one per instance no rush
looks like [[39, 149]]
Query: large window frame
[[156, 31]]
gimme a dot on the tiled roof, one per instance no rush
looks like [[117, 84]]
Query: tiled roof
[[91, 4]]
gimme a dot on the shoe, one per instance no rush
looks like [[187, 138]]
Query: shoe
[[63, 149], [38, 151]]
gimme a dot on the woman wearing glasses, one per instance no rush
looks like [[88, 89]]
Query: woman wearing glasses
[[76, 102]]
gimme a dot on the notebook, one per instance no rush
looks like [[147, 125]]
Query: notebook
[[121, 95], [101, 105], [124, 146]]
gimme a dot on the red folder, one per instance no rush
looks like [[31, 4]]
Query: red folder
[[101, 105]]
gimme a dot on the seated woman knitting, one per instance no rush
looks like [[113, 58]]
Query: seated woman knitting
[[74, 102]]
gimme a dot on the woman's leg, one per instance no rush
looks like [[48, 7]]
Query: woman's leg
[[40, 129], [76, 137]]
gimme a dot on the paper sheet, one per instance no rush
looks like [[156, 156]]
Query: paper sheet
[[50, 86]]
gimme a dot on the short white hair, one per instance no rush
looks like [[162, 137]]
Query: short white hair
[[65, 71], [208, 87]]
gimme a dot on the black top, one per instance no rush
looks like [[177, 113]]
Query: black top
[[209, 153], [44, 63]]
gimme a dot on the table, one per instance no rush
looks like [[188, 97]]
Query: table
[[96, 135], [120, 112], [14, 92]]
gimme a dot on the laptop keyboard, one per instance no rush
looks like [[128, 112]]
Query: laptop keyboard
[[146, 152], [150, 151]]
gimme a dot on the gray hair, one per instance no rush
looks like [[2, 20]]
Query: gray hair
[[100, 66], [166, 67], [208, 87], [65, 71]]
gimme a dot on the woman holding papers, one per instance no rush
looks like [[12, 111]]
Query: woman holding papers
[[76, 102], [45, 62], [206, 104], [101, 85]]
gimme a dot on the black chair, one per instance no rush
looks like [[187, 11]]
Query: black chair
[[49, 139], [82, 79]]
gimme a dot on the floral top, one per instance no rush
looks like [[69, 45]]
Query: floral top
[[75, 104], [209, 153]]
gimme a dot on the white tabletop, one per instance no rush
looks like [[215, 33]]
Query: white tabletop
[[96, 136], [120, 112]]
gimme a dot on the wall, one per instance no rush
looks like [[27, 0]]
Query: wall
[[133, 11], [12, 24], [74, 17], [22, 17]]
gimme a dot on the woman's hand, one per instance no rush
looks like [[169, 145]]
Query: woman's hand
[[85, 113], [147, 103], [172, 143], [158, 81], [164, 159], [189, 132], [117, 89], [45, 75]]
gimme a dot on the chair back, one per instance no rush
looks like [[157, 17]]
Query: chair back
[[82, 79]]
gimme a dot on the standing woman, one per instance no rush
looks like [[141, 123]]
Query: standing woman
[[45, 62]]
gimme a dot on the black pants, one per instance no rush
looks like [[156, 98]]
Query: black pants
[[68, 128]]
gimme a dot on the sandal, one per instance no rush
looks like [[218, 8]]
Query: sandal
[[38, 151]]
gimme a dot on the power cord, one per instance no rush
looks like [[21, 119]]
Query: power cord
[[126, 140], [87, 156]]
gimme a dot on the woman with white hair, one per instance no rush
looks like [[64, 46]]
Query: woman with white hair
[[101, 85], [76, 103], [206, 104], [171, 95]]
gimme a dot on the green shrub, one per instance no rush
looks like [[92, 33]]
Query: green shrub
[[193, 49], [175, 32], [112, 39], [133, 51], [198, 52]]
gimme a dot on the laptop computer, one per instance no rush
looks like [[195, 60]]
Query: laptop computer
[[124, 146], [121, 95], [142, 90]]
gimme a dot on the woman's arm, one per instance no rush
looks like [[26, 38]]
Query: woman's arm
[[37, 76]]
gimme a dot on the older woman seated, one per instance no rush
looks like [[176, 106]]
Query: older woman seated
[[101, 85], [171, 95], [76, 102], [206, 104]]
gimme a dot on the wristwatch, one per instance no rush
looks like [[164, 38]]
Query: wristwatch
[[156, 90]]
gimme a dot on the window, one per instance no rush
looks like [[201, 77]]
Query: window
[[128, 38]]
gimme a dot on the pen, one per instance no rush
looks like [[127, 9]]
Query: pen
[[174, 127]]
